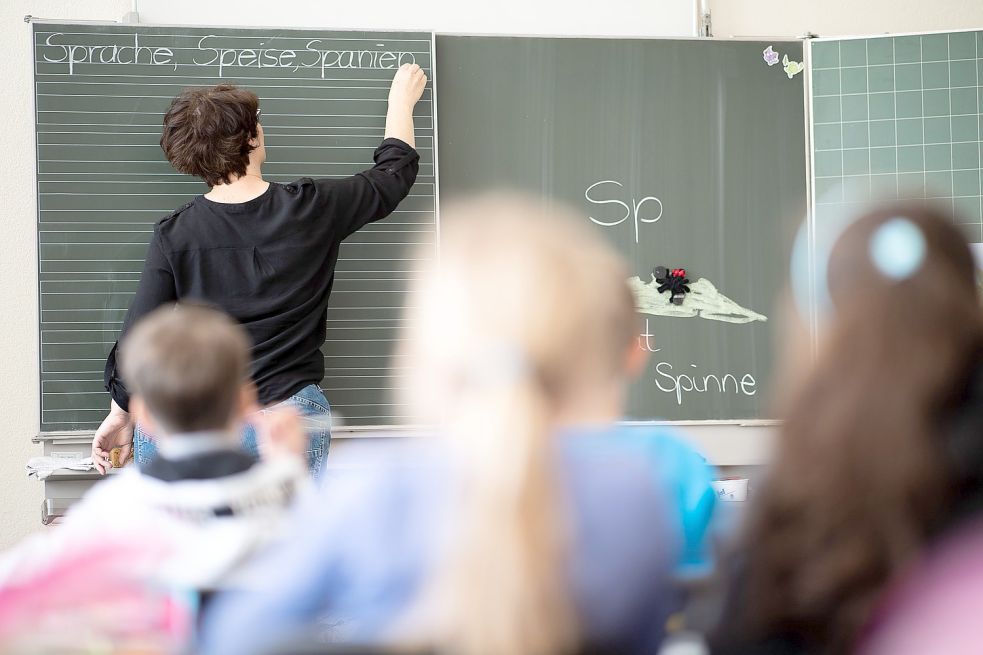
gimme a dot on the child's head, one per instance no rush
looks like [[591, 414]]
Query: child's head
[[524, 325], [524, 296], [187, 368], [874, 455], [900, 259]]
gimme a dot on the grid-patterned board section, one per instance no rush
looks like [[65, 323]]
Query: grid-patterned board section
[[103, 182], [900, 117]]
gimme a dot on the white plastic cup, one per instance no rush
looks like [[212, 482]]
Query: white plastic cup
[[731, 490]]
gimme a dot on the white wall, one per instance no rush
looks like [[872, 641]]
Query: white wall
[[574, 17], [842, 17], [612, 18], [20, 498]]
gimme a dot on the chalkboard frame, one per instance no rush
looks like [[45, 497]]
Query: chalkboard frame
[[34, 23], [806, 227]]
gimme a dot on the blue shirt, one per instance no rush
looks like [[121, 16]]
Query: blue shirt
[[639, 501]]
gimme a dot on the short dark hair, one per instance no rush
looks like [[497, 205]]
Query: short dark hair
[[187, 363], [207, 131]]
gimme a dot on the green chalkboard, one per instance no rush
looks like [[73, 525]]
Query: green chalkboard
[[899, 117], [101, 91], [684, 153], [701, 144]]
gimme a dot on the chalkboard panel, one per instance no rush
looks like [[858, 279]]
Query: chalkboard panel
[[899, 117], [685, 154], [101, 91]]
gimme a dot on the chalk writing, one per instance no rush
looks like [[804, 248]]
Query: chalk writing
[[634, 211], [645, 340], [316, 54], [680, 384], [73, 54]]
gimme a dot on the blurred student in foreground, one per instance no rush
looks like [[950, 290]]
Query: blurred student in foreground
[[537, 526], [937, 607], [881, 450], [182, 523]]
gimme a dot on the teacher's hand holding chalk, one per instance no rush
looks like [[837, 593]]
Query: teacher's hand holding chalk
[[116, 431], [406, 89]]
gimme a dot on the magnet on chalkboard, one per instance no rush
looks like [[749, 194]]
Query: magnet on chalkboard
[[672, 280]]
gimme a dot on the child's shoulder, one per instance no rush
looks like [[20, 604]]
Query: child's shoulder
[[267, 485], [658, 441], [116, 489]]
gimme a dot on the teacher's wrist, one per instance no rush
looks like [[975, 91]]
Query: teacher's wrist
[[116, 409]]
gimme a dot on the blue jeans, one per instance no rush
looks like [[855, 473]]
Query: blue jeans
[[309, 402]]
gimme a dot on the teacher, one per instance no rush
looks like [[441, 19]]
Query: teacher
[[263, 252]]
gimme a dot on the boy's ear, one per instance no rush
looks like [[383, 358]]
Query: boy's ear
[[141, 414], [635, 360]]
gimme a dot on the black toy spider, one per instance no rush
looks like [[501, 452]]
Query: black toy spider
[[674, 281]]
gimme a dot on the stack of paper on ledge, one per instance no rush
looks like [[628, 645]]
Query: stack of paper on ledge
[[42, 467]]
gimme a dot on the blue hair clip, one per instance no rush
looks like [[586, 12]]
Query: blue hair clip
[[898, 248]]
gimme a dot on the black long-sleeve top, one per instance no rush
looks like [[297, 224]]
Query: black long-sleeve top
[[269, 263]]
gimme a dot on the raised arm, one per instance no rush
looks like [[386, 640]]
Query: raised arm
[[373, 194], [406, 89]]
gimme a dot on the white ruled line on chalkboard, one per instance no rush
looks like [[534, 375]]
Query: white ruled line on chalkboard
[[276, 132], [144, 161], [107, 343], [268, 146], [169, 97], [212, 79], [274, 128], [157, 113], [305, 85], [115, 325]]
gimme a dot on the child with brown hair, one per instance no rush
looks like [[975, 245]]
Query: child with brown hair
[[203, 506]]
